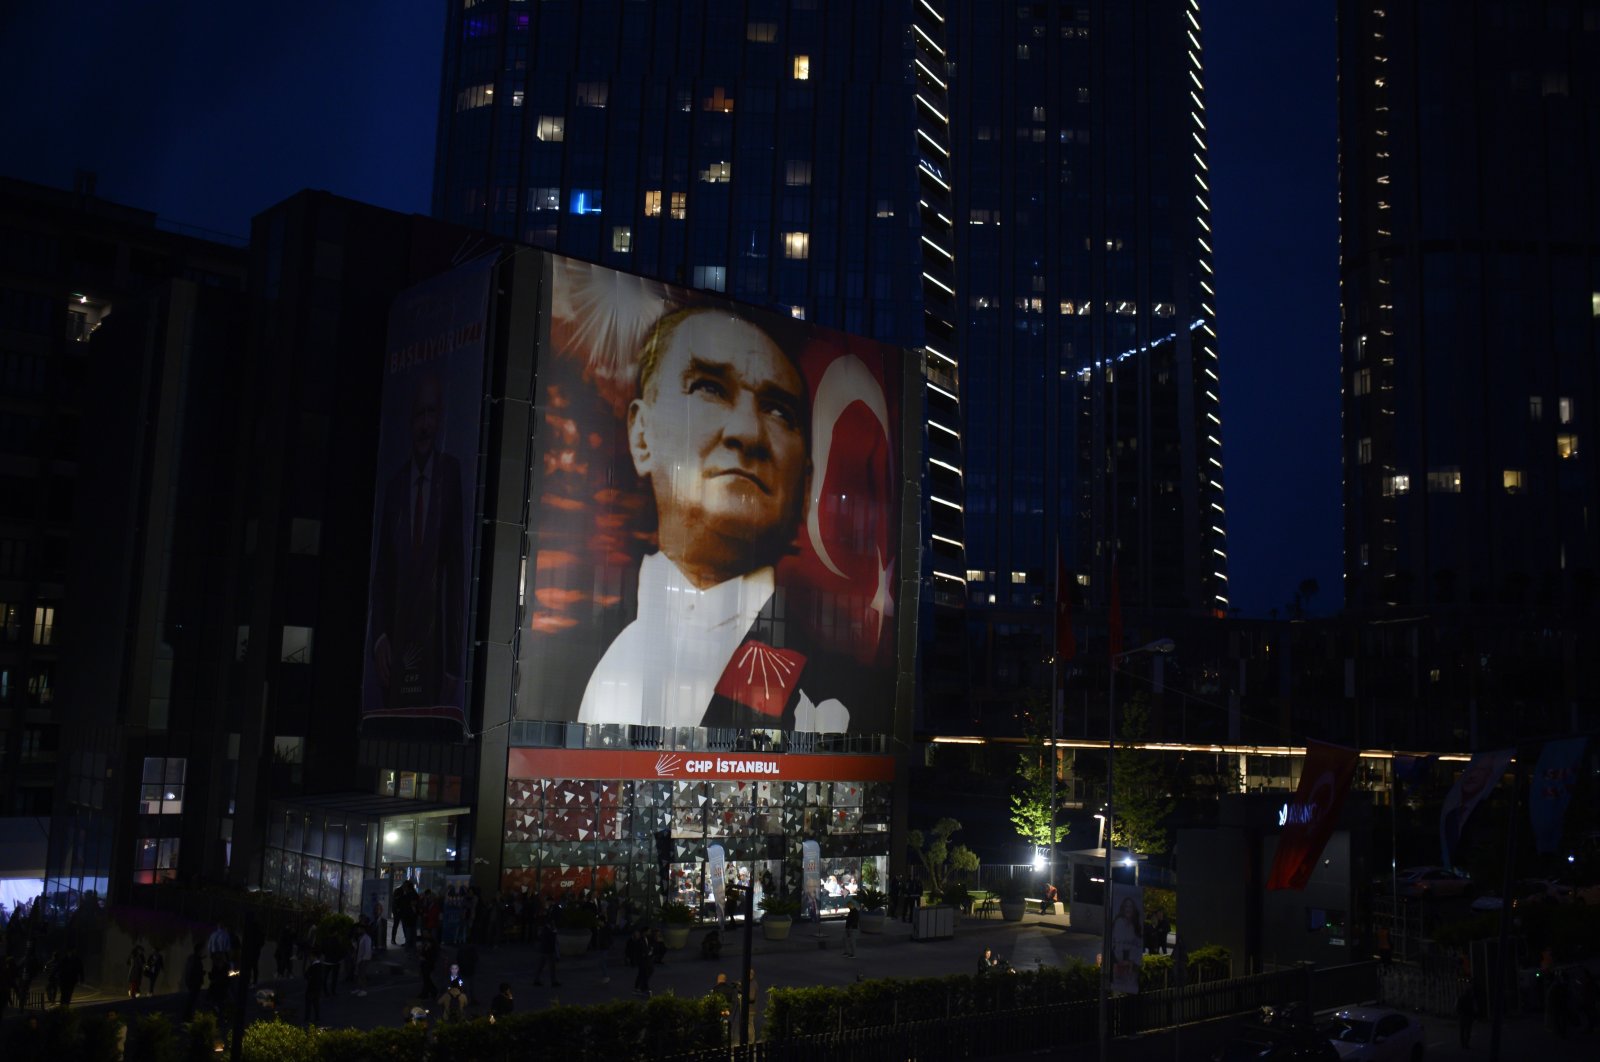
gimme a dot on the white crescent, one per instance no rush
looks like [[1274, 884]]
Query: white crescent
[[846, 381]]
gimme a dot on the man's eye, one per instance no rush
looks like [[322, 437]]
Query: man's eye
[[783, 413], [706, 387]]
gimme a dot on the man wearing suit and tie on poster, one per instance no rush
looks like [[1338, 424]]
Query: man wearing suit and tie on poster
[[416, 641]]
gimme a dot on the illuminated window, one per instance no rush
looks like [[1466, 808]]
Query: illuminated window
[[680, 205], [652, 204], [797, 173], [974, 575], [1163, 309], [1022, 51], [797, 312], [1365, 560], [551, 127], [592, 94], [1364, 451], [161, 785], [44, 625], [621, 238], [1394, 485], [885, 208], [1083, 580], [717, 173], [296, 645], [1038, 114], [1512, 478], [1363, 381], [761, 32], [1594, 303], [1535, 407], [547, 198], [584, 201], [1444, 481], [1566, 446], [796, 244], [718, 101], [474, 96], [517, 96], [712, 278], [1564, 410], [802, 68], [155, 859], [1019, 577]]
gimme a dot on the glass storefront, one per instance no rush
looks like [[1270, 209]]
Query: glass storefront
[[569, 835]]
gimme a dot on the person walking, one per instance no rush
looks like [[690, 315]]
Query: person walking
[[135, 970], [363, 954], [70, 974], [1466, 1011], [255, 940], [852, 923], [316, 979], [729, 991], [645, 963], [152, 969]]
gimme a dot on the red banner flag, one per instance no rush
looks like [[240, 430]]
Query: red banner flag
[[1066, 644], [1308, 820], [1114, 620]]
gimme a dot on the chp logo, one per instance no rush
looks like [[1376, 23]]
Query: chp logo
[[668, 766]]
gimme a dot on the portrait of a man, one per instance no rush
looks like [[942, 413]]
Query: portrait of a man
[[716, 531]]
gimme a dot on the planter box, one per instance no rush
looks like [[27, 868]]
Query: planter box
[[675, 937], [933, 923], [776, 927], [572, 942], [1011, 910], [873, 921]]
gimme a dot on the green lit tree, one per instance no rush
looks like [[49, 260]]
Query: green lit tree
[[1143, 799], [939, 857], [1034, 807]]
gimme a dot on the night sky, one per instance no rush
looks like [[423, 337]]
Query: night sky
[[208, 113]]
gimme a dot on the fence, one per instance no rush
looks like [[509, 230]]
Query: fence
[[1049, 1028]]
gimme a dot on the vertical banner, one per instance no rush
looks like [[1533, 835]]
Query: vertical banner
[[1127, 937], [811, 878], [1481, 775], [717, 861], [428, 434], [456, 898], [1551, 790], [1309, 819], [374, 908]]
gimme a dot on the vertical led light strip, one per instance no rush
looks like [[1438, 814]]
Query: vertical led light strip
[[1213, 514], [940, 365]]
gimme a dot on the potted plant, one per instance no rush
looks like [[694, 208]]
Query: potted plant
[[1013, 899], [676, 918], [956, 895], [874, 913], [777, 916], [575, 929]]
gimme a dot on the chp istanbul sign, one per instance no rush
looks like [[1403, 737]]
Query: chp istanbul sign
[[609, 763]]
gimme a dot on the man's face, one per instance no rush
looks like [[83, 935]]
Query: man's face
[[720, 434], [425, 407]]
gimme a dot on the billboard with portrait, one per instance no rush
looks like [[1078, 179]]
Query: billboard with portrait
[[415, 656], [716, 514]]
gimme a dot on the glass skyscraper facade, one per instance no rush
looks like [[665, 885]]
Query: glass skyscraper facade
[[1016, 191]]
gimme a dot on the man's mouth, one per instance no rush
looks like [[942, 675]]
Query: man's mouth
[[739, 473]]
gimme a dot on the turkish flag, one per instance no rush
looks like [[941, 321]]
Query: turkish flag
[[1066, 644], [1309, 818]]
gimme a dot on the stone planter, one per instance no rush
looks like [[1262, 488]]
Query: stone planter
[[571, 943], [1011, 910], [776, 927], [873, 921], [675, 937]]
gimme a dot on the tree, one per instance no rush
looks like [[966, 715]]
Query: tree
[[1142, 800], [938, 858], [1032, 812]]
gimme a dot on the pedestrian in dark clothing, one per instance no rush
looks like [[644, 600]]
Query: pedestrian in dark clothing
[[548, 954], [646, 964], [283, 953], [1466, 1011], [427, 961], [658, 947], [135, 970], [255, 939], [194, 979], [69, 975], [502, 1004], [315, 977], [631, 949], [152, 969], [852, 923], [217, 990]]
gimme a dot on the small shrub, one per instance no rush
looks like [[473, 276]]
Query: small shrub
[[201, 1039], [677, 914], [278, 1041], [872, 899], [151, 1038]]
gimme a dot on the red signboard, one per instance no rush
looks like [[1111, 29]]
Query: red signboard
[[691, 766]]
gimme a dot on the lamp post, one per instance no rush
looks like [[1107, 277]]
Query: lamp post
[[1160, 645]]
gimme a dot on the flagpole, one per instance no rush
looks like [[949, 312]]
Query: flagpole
[[1498, 967]]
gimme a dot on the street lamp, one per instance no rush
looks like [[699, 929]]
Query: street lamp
[[1100, 838], [1160, 645]]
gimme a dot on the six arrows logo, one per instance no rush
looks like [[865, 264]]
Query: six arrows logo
[[667, 766]]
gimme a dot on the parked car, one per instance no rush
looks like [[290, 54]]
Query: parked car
[[1374, 1034], [1529, 891], [1265, 1045], [1433, 881]]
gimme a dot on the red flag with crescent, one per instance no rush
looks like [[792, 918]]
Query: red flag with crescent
[[1309, 819]]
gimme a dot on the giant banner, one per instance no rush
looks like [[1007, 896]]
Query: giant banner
[[716, 515], [1309, 819], [428, 441], [1474, 783]]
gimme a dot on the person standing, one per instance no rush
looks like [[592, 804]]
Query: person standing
[[729, 991], [427, 959], [283, 953], [194, 979], [852, 923], [645, 962], [152, 969], [315, 978], [1466, 1011], [135, 970], [71, 973], [363, 959], [548, 953], [220, 947], [254, 941], [503, 1003]]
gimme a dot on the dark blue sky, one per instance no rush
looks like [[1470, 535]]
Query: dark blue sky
[[208, 113]]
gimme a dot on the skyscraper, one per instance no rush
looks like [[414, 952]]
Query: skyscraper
[[1470, 304], [1017, 191]]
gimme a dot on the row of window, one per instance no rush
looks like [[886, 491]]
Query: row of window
[[1448, 480], [42, 631], [1079, 308]]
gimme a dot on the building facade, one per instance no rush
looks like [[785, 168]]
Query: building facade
[[1469, 229], [1017, 191]]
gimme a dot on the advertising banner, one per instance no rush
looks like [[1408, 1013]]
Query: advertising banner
[[717, 870], [428, 441], [1127, 937], [457, 898], [374, 908], [716, 515], [810, 880], [1309, 819], [1551, 790], [707, 766], [1481, 775]]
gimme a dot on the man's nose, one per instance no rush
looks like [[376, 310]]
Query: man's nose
[[744, 426]]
